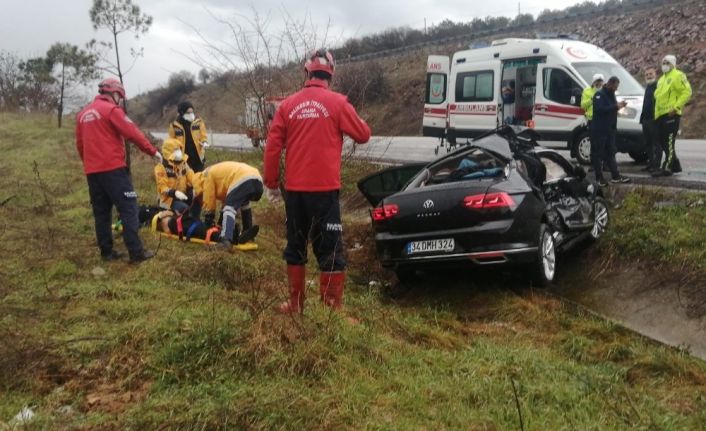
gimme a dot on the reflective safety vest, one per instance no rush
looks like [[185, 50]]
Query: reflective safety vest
[[587, 101], [672, 93]]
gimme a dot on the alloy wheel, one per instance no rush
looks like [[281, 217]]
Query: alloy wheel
[[548, 256], [600, 222]]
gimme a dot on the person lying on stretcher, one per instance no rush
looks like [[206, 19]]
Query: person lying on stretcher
[[187, 227]]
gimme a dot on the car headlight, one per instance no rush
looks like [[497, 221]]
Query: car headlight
[[627, 112]]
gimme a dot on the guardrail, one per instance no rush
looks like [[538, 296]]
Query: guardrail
[[625, 6]]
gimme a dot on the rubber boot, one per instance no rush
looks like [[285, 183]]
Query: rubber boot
[[296, 274], [331, 288]]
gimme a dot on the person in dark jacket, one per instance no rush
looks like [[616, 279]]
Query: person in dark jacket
[[650, 130], [101, 128], [604, 129], [190, 130]]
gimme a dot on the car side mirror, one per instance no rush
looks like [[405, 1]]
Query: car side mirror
[[579, 171]]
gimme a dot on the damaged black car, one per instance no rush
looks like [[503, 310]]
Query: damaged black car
[[502, 199]]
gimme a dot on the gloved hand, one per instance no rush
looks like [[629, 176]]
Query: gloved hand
[[158, 158], [205, 144], [273, 195], [209, 219], [180, 195]]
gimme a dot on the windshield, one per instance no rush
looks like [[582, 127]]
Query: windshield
[[628, 85]]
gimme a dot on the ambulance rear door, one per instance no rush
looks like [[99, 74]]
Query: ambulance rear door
[[436, 98], [475, 99]]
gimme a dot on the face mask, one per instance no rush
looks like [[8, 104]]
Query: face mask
[[177, 155], [650, 80], [666, 68], [189, 116]]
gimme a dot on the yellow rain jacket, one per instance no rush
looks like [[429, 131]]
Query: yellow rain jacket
[[673, 92], [198, 133], [217, 180], [171, 175], [587, 101]]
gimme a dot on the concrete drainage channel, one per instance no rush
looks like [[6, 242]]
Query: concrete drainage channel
[[666, 307]]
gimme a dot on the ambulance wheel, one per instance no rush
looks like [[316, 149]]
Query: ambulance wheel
[[582, 148]]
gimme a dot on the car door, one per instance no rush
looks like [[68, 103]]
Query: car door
[[567, 195], [378, 186]]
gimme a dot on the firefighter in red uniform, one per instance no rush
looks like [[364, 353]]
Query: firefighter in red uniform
[[309, 125], [100, 129]]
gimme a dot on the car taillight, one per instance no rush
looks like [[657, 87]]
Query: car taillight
[[489, 200], [385, 212]]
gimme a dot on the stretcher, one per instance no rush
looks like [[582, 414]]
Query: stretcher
[[186, 236]]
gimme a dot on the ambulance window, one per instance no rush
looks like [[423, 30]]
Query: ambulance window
[[560, 87], [436, 88], [474, 86]]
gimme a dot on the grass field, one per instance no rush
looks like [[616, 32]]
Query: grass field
[[189, 340]]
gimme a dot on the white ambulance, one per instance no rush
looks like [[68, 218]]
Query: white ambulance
[[532, 82]]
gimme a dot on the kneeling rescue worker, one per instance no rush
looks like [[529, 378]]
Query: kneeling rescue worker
[[174, 178], [310, 124], [235, 185]]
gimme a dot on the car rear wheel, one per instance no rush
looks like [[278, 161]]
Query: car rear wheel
[[545, 266], [582, 148], [601, 217]]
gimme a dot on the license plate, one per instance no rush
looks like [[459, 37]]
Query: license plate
[[432, 245]]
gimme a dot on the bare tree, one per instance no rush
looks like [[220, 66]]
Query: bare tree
[[117, 16], [72, 66], [10, 73], [261, 50]]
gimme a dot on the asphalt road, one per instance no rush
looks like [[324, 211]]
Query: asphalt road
[[399, 149]]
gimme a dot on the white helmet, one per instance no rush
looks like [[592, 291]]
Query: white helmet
[[598, 77]]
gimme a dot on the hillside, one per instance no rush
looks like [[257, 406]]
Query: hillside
[[637, 39]]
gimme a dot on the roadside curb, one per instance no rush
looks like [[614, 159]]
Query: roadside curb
[[671, 182]]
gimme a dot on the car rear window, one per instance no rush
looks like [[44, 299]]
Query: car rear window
[[474, 164]]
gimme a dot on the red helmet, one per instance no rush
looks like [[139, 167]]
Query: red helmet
[[111, 85], [322, 60]]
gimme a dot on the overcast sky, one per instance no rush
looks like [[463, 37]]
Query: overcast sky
[[29, 27]]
